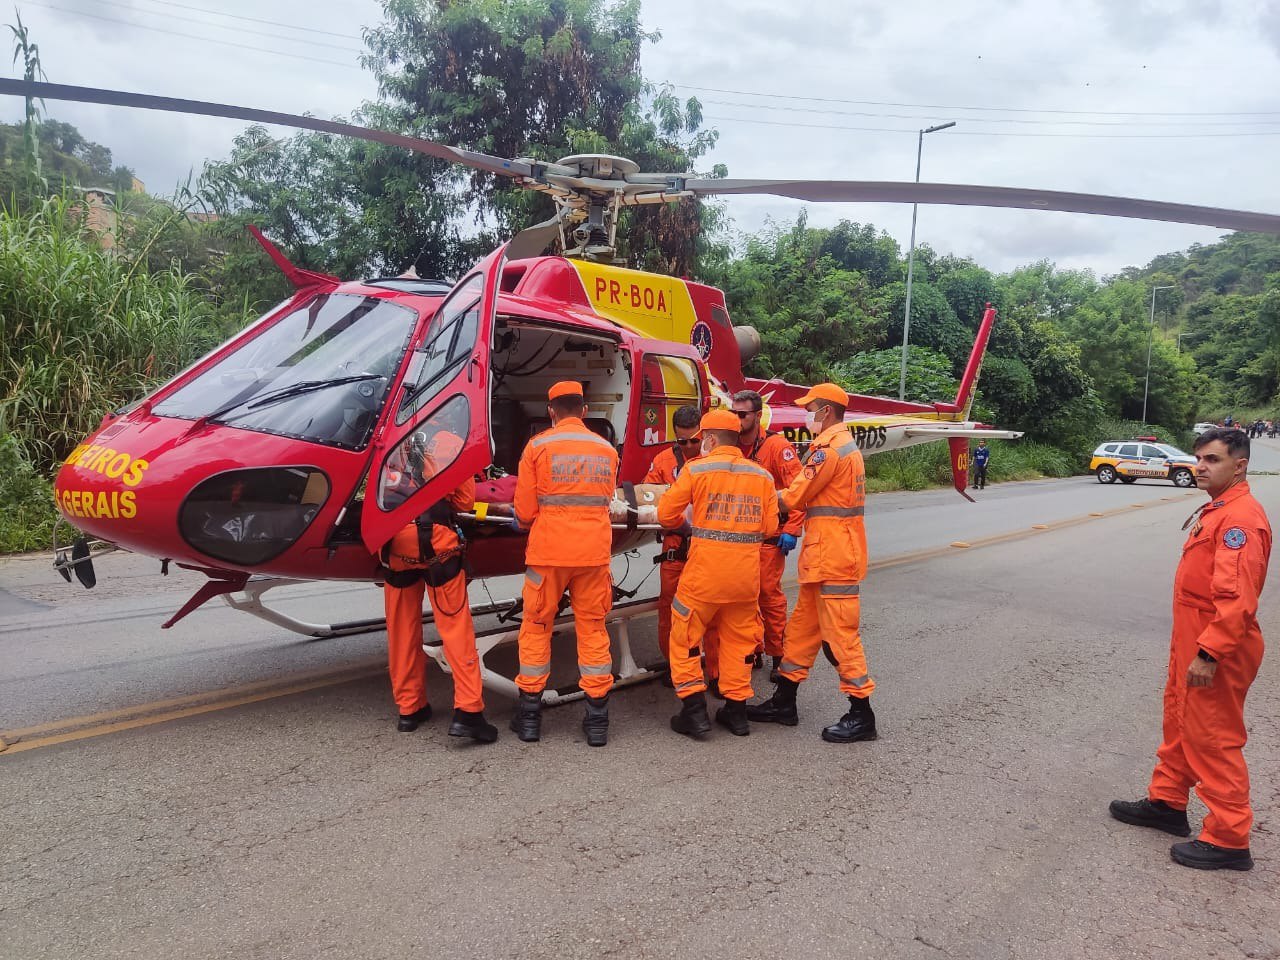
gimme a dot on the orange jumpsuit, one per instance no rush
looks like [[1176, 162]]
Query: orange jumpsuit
[[666, 465], [776, 454], [406, 660], [565, 482], [735, 508], [831, 489], [1215, 606]]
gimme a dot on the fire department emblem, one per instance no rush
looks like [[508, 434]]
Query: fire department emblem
[[701, 340], [1234, 538]]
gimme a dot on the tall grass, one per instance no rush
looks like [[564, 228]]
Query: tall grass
[[83, 330], [929, 465]]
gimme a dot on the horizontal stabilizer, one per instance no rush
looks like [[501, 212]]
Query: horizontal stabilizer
[[971, 432]]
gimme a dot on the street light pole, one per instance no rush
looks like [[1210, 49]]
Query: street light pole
[[1151, 335], [911, 262]]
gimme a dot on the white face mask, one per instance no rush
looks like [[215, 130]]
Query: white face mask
[[811, 421]]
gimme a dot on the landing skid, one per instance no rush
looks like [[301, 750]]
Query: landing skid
[[628, 672]]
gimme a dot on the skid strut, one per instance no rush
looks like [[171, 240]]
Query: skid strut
[[249, 600]]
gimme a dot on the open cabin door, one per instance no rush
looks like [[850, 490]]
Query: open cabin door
[[436, 435]]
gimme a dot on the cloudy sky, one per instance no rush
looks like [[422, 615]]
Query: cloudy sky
[[1162, 99]]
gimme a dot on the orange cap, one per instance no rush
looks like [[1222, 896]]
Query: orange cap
[[824, 391], [565, 388], [721, 420]]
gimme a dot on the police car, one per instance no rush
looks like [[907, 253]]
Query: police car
[[1142, 458]]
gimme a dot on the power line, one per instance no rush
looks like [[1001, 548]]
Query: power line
[[1018, 120], [191, 36], [220, 26], [271, 23], [997, 133], [954, 107]]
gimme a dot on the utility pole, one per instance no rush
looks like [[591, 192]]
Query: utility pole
[[911, 261], [1151, 335]]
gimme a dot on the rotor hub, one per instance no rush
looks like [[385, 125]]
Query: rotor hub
[[600, 166]]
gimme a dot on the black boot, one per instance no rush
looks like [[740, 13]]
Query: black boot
[[1210, 856], [780, 708], [1152, 813], [595, 722], [733, 717], [408, 722], [467, 723], [526, 722], [773, 670], [692, 720], [858, 724]]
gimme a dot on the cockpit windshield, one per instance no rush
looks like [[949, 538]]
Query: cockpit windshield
[[321, 373]]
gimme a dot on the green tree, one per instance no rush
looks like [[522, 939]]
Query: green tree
[[879, 373]]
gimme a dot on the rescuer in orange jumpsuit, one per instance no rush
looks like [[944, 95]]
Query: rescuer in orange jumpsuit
[[776, 454], [564, 486], [734, 508], [675, 545], [1214, 654], [831, 489], [426, 556]]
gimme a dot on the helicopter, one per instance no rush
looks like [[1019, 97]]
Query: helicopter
[[299, 447]]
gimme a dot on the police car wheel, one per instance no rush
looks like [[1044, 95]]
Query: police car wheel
[[1183, 478], [1106, 473]]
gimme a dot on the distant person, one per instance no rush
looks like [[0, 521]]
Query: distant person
[[1214, 655], [981, 457]]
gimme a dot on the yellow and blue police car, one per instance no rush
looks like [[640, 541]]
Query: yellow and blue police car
[[1142, 458]]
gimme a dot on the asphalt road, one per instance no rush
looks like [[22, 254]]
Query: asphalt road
[[1018, 692]]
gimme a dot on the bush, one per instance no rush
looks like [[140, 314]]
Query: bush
[[27, 515], [929, 465], [83, 330]]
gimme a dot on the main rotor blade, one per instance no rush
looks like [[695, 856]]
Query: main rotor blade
[[119, 98], [883, 191]]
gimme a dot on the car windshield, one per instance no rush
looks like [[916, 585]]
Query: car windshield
[[320, 373]]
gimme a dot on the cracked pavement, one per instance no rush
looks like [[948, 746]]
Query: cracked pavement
[[1018, 691]]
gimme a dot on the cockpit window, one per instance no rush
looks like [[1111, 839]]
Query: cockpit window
[[321, 373]]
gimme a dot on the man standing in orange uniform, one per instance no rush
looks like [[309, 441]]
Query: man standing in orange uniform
[[427, 555], [775, 453], [667, 465], [565, 483], [1214, 655], [831, 489], [734, 509]]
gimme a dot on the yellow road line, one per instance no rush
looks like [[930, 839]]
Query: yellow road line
[[177, 708], [164, 716]]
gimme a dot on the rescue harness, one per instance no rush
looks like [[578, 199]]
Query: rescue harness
[[435, 568], [678, 554]]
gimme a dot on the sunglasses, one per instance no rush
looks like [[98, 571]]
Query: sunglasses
[[745, 413], [687, 441]]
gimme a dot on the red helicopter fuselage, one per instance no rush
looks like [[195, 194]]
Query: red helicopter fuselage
[[300, 446]]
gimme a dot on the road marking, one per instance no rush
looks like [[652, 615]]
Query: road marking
[[177, 708]]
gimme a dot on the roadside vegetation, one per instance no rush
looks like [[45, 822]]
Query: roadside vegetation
[[88, 326]]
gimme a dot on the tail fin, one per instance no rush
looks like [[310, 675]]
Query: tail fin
[[969, 382], [959, 447]]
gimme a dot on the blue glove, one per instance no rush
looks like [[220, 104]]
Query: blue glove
[[786, 543], [515, 525]]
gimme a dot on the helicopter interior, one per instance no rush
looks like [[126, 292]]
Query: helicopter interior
[[528, 359]]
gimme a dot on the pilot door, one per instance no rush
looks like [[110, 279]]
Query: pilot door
[[436, 434]]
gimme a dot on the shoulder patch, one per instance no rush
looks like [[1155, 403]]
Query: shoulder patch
[[819, 458], [788, 453], [1234, 538]]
